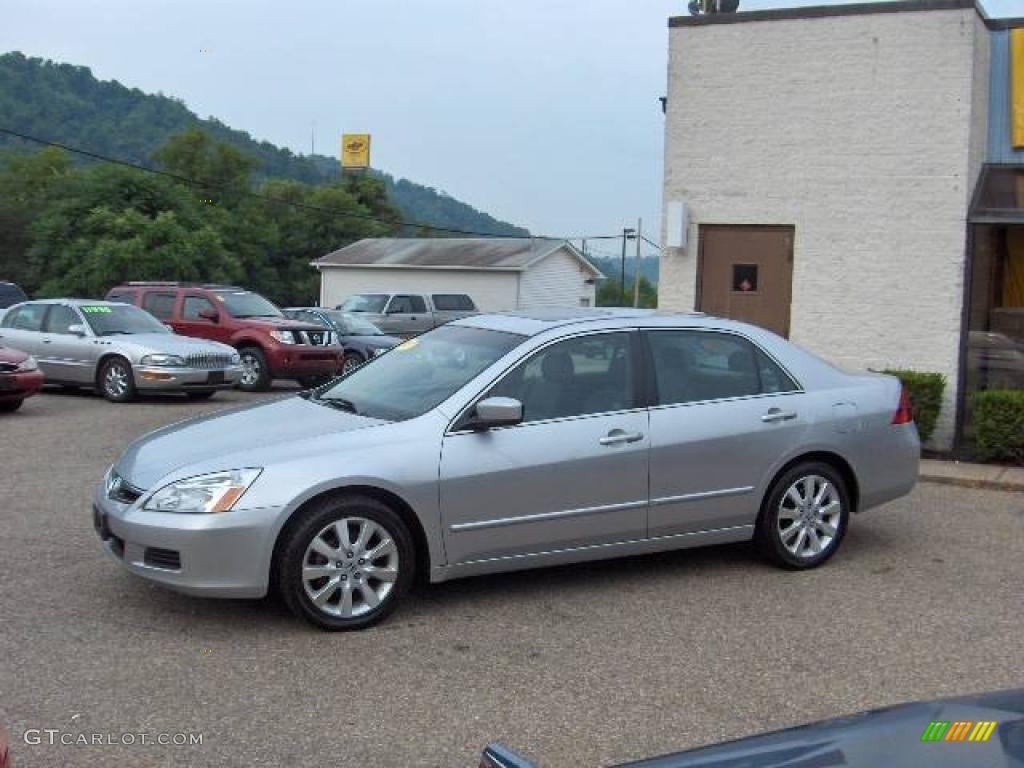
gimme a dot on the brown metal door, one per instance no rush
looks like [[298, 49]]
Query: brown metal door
[[746, 273]]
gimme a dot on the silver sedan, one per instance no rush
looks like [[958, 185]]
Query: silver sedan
[[512, 441], [117, 348]]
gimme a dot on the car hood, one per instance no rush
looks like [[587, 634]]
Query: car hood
[[167, 343], [9, 355], [270, 323], [374, 342], [215, 435], [891, 737]]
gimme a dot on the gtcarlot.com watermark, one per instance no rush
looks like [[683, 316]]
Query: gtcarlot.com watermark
[[57, 737]]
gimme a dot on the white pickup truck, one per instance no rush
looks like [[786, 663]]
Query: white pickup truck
[[409, 314]]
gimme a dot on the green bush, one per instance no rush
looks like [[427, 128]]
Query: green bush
[[925, 392], [998, 416]]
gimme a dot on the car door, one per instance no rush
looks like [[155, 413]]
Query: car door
[[572, 474], [22, 329], [70, 357], [723, 413], [401, 317], [192, 322]]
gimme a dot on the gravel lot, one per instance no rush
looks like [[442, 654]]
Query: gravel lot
[[587, 665]]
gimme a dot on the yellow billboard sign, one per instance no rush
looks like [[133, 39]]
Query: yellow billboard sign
[[355, 150], [1017, 88]]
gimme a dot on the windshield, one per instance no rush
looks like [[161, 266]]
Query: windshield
[[353, 325], [109, 320], [420, 373], [241, 304], [365, 302]]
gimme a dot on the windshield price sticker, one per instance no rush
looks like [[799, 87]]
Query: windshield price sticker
[[96, 310], [405, 346]]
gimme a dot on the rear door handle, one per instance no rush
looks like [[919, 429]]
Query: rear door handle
[[777, 414], [617, 436], [47, 341]]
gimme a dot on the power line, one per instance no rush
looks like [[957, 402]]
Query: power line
[[269, 199]]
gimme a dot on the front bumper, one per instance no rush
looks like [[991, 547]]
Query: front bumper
[[290, 361], [153, 377], [18, 386], [226, 554]]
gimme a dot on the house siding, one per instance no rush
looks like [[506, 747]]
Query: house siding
[[863, 132], [558, 280], [491, 291]]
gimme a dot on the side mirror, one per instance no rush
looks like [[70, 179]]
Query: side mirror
[[499, 756], [209, 314], [76, 329], [169, 327], [496, 412]]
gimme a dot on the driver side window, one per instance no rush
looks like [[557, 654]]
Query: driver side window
[[576, 377]]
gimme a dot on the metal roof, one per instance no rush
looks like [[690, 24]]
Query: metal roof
[[483, 253]]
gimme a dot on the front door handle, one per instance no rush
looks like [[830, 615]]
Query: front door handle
[[617, 436], [47, 341], [777, 414]]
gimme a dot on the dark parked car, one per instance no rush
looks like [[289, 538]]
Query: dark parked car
[[361, 339], [271, 346], [20, 377], [10, 294], [983, 730]]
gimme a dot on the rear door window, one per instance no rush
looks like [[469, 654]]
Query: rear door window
[[28, 317], [124, 297], [452, 302], [159, 304], [690, 366]]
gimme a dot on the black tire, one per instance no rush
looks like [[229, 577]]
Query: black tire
[[10, 406], [254, 357], [293, 552], [309, 382], [770, 540], [351, 361], [114, 371], [201, 395]]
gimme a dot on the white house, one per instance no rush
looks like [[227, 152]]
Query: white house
[[497, 273], [850, 176]]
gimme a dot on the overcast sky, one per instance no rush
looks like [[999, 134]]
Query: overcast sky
[[541, 112]]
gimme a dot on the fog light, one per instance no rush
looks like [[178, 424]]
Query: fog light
[[154, 376]]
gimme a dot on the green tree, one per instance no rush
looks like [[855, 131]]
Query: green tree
[[609, 294]]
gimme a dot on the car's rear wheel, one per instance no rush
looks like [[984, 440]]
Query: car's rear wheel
[[255, 370], [116, 380], [351, 361], [345, 564], [9, 406], [804, 516]]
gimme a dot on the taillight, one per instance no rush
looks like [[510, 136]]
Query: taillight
[[904, 412]]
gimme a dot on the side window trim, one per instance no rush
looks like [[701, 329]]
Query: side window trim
[[654, 395], [455, 428]]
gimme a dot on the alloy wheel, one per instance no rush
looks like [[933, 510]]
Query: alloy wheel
[[350, 567], [115, 382], [350, 363], [809, 516], [250, 370]]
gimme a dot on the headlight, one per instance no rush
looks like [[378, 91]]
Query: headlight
[[216, 492], [167, 361], [28, 364], [285, 337]]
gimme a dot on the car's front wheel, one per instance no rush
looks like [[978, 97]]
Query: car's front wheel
[[804, 517], [116, 380], [255, 370], [350, 362], [9, 406], [345, 563]]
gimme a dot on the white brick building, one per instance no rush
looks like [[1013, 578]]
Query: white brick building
[[826, 160]]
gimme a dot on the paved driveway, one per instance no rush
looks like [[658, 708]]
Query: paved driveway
[[586, 665]]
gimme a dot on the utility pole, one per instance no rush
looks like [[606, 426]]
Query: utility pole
[[627, 234], [636, 273]]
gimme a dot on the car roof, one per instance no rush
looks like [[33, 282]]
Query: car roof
[[78, 302], [535, 321]]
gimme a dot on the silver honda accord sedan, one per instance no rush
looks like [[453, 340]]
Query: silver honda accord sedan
[[117, 348], [511, 441]]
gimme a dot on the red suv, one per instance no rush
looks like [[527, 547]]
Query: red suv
[[271, 346]]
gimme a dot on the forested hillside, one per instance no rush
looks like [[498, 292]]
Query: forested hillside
[[65, 103]]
